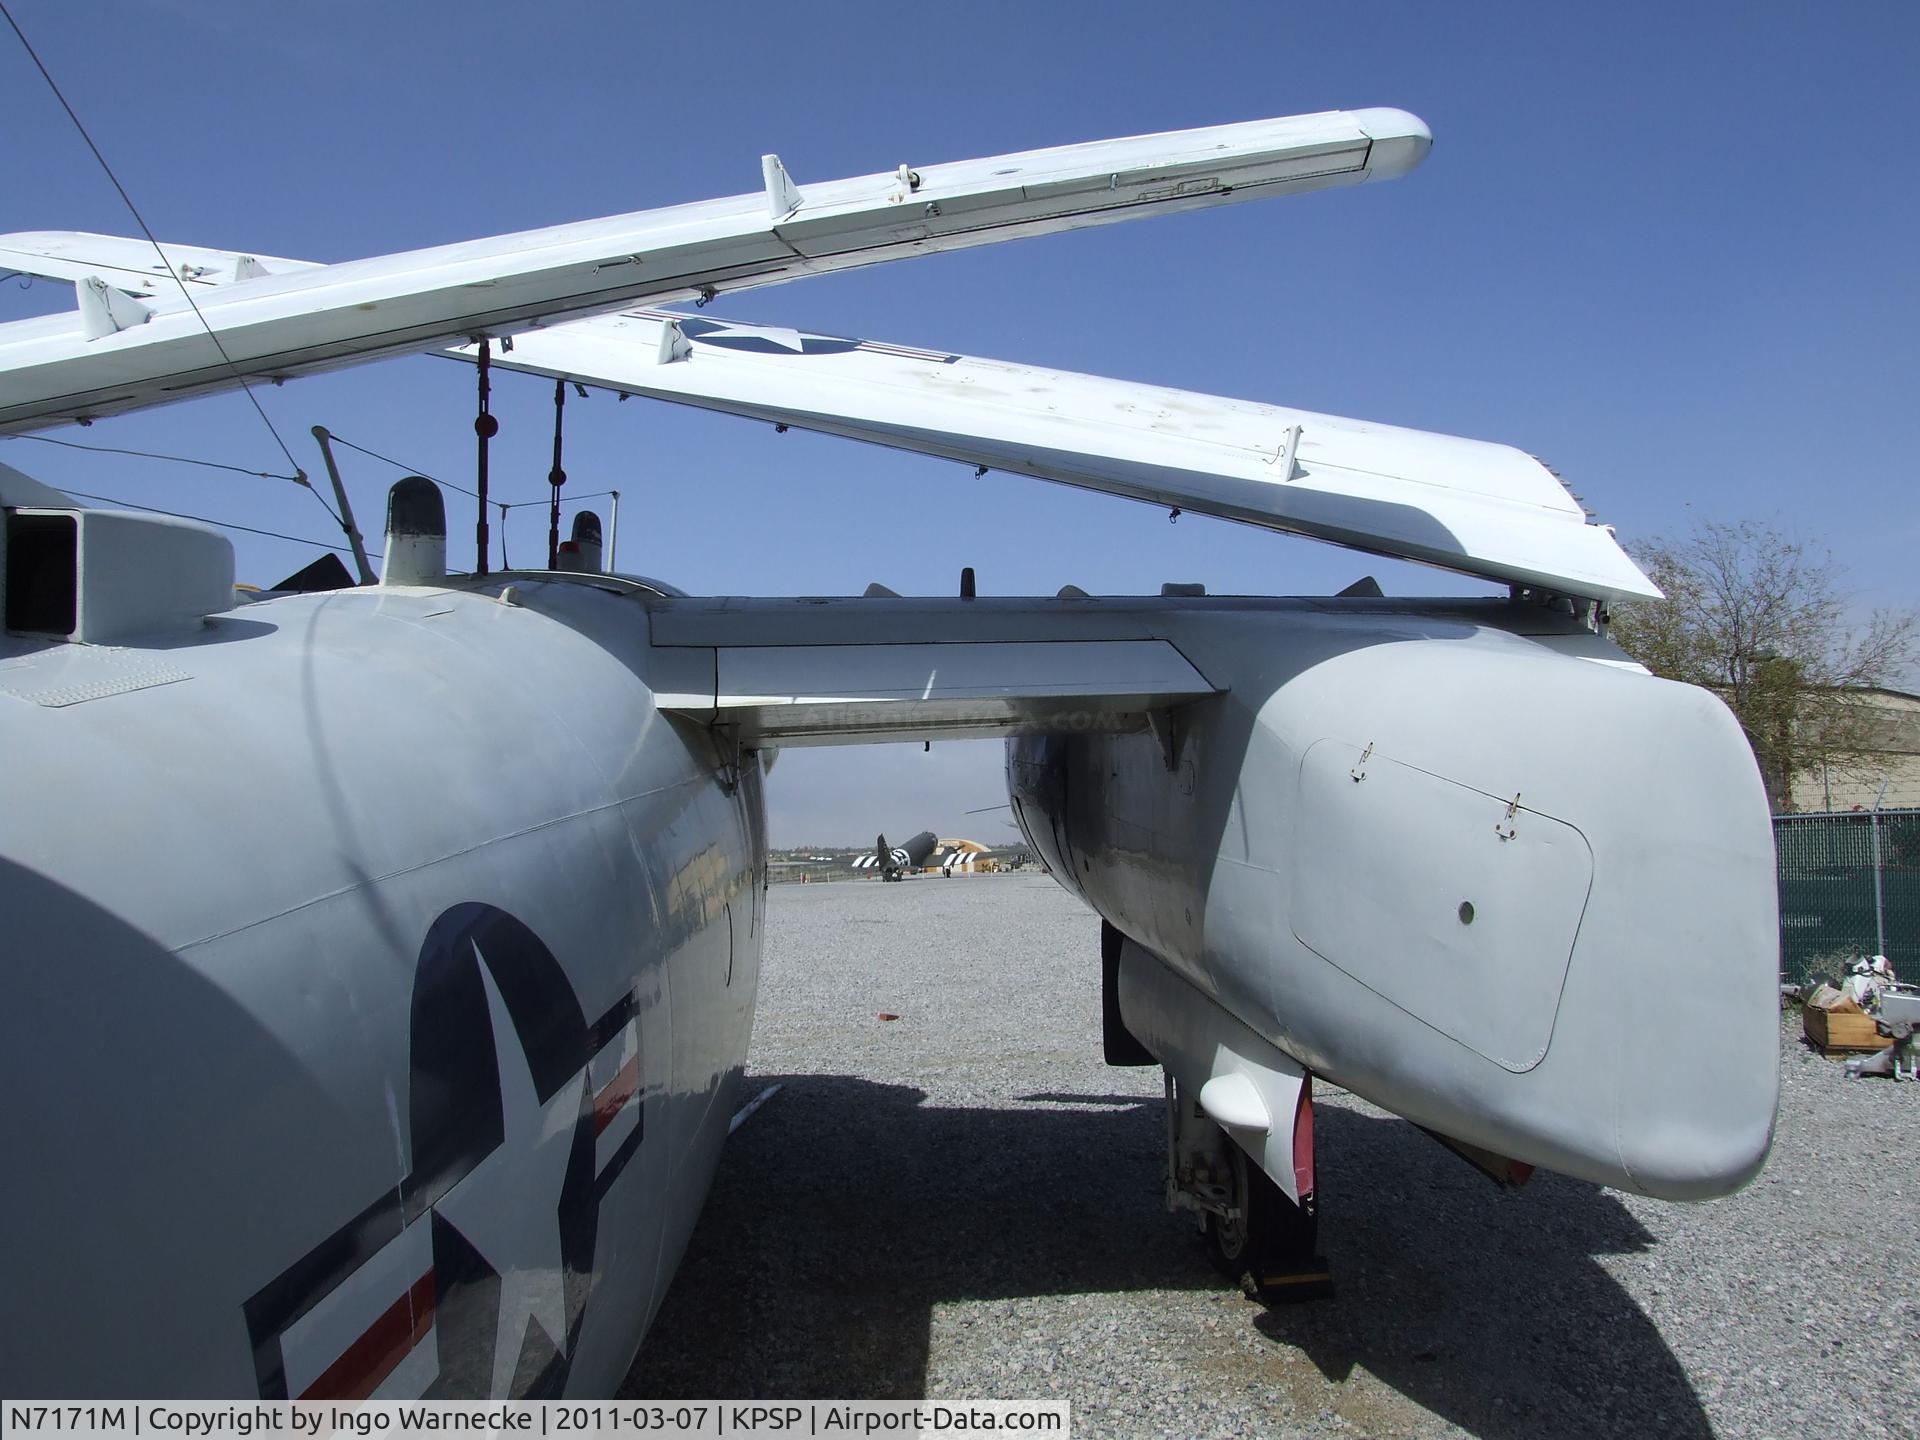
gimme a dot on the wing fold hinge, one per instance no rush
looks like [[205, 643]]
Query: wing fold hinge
[[783, 196], [674, 344], [1285, 461], [106, 311]]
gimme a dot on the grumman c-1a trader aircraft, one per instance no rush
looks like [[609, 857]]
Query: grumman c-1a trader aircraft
[[380, 962]]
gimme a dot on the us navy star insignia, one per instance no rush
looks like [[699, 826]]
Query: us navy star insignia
[[508, 1208], [763, 337]]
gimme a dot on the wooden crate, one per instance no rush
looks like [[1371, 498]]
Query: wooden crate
[[1843, 1030]]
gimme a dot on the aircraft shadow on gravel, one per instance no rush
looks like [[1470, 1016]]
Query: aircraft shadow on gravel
[[847, 1209]]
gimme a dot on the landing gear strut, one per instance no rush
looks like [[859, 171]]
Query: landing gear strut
[[1256, 1234]]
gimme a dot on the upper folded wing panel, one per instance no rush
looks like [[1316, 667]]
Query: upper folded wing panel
[[279, 324]]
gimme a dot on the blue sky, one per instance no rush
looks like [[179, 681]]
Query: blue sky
[[1670, 249]]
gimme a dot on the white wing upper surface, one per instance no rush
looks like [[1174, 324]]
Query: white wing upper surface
[[118, 353], [1468, 505]]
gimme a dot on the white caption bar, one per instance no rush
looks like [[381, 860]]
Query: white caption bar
[[657, 1420]]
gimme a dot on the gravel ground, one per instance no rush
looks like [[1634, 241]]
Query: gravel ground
[[966, 1203]]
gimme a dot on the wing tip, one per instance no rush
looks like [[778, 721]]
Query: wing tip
[[1400, 139]]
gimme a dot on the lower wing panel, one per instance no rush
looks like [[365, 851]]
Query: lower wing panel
[[1465, 505]]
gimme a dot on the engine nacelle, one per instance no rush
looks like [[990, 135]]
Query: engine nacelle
[[1470, 863]]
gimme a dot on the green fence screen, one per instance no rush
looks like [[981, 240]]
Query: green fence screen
[[1849, 884]]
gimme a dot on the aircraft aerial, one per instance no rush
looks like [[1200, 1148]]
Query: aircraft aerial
[[426, 915]]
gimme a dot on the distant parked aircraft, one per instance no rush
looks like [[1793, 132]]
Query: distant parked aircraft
[[893, 862], [970, 855]]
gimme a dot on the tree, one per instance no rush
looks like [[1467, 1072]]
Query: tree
[[1754, 615]]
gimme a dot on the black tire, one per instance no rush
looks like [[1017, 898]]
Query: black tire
[[1272, 1232], [1235, 1246]]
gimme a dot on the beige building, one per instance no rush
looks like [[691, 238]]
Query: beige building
[[1892, 759]]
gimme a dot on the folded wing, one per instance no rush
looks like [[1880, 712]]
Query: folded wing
[[114, 353], [1468, 505]]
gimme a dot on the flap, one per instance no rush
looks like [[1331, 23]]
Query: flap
[[837, 676]]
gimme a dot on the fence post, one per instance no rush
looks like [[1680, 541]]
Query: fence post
[[1879, 908]]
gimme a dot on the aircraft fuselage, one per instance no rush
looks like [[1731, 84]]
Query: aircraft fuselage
[[380, 968]]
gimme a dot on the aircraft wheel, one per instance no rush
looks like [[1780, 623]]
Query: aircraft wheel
[[1236, 1246], [1272, 1234]]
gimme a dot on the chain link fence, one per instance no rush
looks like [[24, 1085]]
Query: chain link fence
[[1849, 885]]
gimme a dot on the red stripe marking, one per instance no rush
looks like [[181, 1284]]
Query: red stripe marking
[[378, 1352], [610, 1101], [1303, 1140]]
